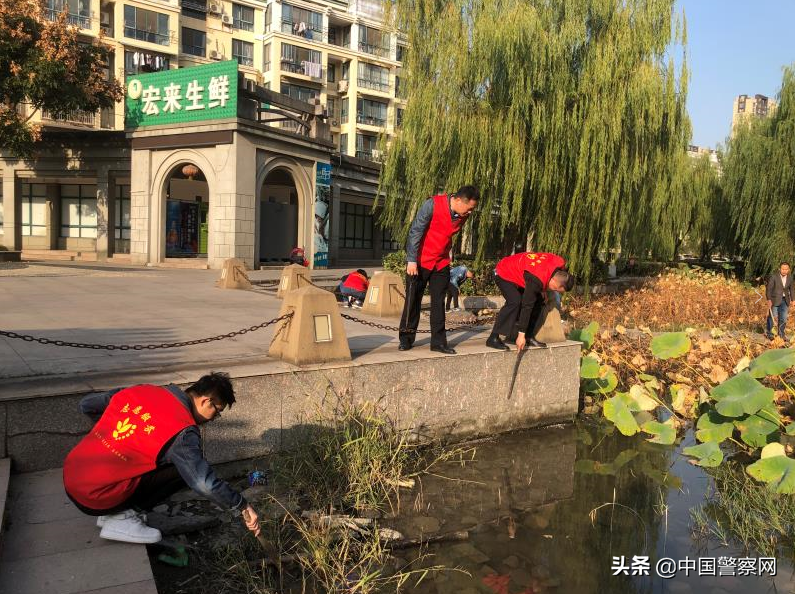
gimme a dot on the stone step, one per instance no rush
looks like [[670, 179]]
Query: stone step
[[67, 255], [121, 258], [190, 263]]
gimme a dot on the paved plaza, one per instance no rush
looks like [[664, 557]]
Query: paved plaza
[[137, 305]]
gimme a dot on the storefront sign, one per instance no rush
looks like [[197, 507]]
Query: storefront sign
[[322, 213], [206, 92]]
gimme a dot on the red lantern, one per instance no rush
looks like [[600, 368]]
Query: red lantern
[[190, 171]]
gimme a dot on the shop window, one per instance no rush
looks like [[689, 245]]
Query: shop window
[[243, 52], [122, 212], [78, 211], [356, 226], [242, 17], [34, 210]]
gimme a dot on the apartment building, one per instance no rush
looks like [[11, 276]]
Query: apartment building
[[84, 200], [747, 106]]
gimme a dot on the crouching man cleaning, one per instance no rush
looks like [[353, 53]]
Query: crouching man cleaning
[[144, 447]]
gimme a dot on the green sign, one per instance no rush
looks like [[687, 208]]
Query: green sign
[[183, 95]]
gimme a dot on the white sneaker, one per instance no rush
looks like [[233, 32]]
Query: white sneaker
[[101, 521], [128, 526], [357, 305]]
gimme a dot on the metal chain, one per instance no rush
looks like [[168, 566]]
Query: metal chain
[[143, 347], [476, 323]]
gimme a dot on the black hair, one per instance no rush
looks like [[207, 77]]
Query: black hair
[[215, 384], [784, 264], [467, 193], [566, 278], [362, 272]]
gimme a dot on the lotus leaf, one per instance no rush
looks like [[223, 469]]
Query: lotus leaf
[[664, 433], [670, 345], [773, 449], [758, 429], [790, 430], [713, 427], [589, 368], [617, 410], [605, 468], [777, 471], [772, 362], [585, 335], [741, 395], [605, 383], [641, 398], [709, 454]]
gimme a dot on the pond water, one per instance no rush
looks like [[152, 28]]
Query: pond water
[[528, 501]]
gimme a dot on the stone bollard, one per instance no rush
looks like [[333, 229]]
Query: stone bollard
[[293, 277], [233, 275], [549, 328], [385, 296], [315, 333]]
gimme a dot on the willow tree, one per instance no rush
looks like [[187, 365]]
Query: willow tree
[[568, 114], [759, 181]]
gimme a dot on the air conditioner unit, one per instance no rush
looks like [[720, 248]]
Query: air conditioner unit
[[104, 19], [335, 123], [342, 86], [215, 8], [226, 19], [215, 55]]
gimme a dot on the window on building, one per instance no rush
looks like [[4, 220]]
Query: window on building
[[195, 9], [388, 243], [34, 210], [373, 77], [136, 62], [194, 42], [346, 71], [331, 73], [400, 88], [242, 17], [268, 17], [78, 12], [371, 113], [299, 92], [301, 60], [266, 58], [356, 226], [373, 41], [301, 22], [365, 145], [344, 110], [401, 53], [343, 143], [78, 210], [333, 109], [122, 211], [398, 118], [243, 52], [146, 25]]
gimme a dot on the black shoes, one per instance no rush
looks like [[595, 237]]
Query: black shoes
[[496, 342], [443, 349], [405, 346], [535, 343]]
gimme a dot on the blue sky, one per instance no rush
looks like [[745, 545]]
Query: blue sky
[[734, 47]]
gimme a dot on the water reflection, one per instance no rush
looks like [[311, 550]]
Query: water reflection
[[548, 510]]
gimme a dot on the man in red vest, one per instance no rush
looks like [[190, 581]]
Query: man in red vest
[[524, 279], [354, 287], [428, 262], [144, 447]]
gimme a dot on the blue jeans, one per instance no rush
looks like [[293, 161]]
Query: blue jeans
[[780, 313], [348, 292]]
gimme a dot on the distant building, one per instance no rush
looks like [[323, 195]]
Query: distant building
[[695, 152], [746, 106]]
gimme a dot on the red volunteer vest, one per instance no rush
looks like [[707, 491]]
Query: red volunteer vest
[[357, 282], [539, 264], [103, 470], [438, 241]]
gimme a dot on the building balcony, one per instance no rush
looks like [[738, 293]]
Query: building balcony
[[366, 155], [370, 120], [375, 50], [77, 19], [149, 36], [304, 68], [304, 31], [103, 119], [375, 85]]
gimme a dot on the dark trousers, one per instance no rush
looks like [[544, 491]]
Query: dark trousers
[[436, 281], [508, 318], [452, 295], [153, 488]]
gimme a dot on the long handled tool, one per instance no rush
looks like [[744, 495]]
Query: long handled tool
[[272, 555]]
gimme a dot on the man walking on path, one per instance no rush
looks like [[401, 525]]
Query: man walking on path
[[523, 279], [144, 447], [428, 262], [779, 296]]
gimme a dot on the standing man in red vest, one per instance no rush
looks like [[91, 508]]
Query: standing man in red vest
[[428, 262], [144, 447], [524, 279]]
